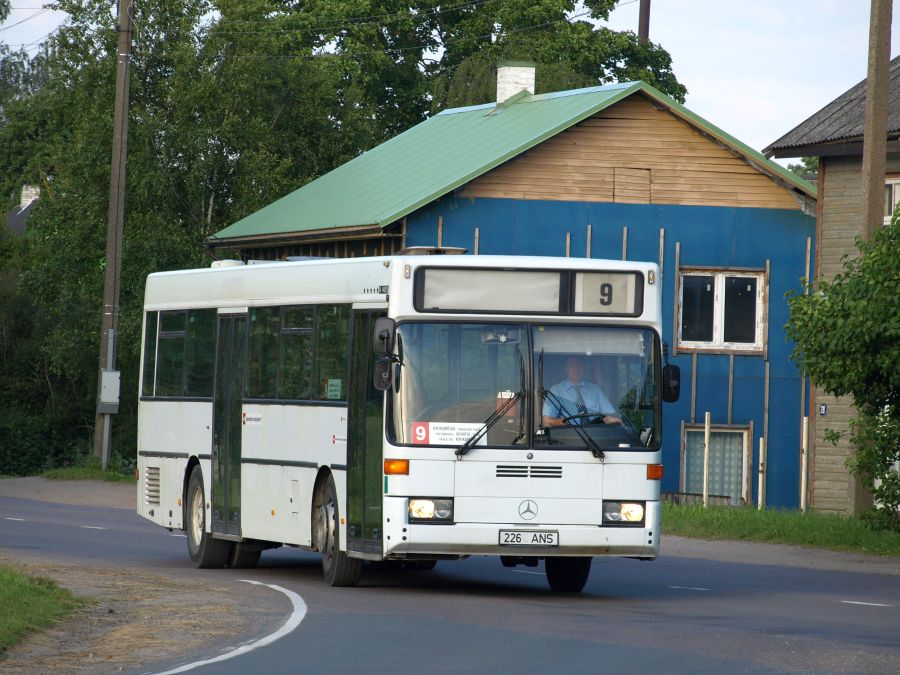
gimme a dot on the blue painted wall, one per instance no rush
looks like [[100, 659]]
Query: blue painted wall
[[708, 236]]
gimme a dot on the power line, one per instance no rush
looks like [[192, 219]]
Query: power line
[[20, 22], [25, 46]]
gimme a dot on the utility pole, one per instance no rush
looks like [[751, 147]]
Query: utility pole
[[108, 380], [644, 23], [875, 129]]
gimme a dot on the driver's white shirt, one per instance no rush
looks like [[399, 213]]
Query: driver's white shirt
[[563, 396]]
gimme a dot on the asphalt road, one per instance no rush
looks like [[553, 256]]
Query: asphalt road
[[678, 614]]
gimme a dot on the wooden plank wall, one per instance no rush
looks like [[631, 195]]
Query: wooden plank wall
[[633, 152], [833, 488]]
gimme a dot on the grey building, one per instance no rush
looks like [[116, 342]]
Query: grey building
[[835, 135]]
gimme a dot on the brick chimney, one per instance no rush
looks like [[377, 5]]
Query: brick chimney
[[513, 77]]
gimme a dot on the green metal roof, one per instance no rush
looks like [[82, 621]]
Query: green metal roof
[[448, 150]]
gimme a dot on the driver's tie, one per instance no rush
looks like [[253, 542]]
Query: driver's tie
[[579, 401]]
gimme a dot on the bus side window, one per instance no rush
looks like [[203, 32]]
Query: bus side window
[[332, 347], [170, 354], [149, 375], [265, 323], [200, 352], [296, 366]]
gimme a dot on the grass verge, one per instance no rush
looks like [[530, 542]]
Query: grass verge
[[28, 604], [838, 533], [90, 470]]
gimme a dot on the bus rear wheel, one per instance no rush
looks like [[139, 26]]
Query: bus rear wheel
[[205, 551], [339, 568], [567, 575]]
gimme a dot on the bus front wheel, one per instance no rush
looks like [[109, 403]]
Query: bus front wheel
[[339, 568], [204, 550], [244, 555], [567, 575]]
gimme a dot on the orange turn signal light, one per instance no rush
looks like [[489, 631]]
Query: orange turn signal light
[[396, 466], [654, 471]]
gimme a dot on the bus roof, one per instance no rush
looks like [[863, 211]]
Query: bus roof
[[355, 280]]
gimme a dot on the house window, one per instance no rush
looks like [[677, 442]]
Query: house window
[[729, 462], [891, 197], [722, 311]]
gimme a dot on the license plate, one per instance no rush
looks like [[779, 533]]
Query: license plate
[[529, 538]]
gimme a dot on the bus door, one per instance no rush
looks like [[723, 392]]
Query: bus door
[[365, 436], [226, 446]]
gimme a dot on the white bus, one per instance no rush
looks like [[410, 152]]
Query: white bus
[[405, 408]]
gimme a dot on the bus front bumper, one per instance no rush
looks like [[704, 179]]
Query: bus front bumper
[[403, 538]]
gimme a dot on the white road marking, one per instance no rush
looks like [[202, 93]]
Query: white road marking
[[177, 535], [91, 527], [689, 588], [867, 604], [21, 520], [297, 615], [528, 572]]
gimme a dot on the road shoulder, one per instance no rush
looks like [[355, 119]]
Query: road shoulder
[[75, 492], [759, 553], [136, 618]]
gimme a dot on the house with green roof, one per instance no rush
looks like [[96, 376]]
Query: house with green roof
[[617, 171]]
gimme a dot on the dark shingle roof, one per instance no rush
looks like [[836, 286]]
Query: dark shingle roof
[[842, 119]]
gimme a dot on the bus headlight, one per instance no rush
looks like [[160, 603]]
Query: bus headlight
[[623, 513], [430, 510]]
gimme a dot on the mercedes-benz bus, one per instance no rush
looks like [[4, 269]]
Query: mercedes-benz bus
[[407, 408]]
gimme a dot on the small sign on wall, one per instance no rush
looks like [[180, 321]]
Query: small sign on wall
[[823, 409]]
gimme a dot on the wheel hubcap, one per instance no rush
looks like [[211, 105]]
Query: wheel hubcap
[[197, 516], [329, 529]]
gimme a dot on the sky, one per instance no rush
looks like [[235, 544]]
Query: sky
[[758, 68], [754, 68]]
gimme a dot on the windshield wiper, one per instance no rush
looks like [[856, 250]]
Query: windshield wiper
[[585, 437], [494, 417]]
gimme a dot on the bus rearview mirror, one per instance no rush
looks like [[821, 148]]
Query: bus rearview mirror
[[381, 374], [671, 381], [383, 337]]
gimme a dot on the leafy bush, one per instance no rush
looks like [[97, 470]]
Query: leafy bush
[[847, 334]]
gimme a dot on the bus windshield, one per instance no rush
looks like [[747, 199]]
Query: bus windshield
[[534, 385]]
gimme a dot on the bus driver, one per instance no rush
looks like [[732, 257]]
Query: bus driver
[[575, 396]]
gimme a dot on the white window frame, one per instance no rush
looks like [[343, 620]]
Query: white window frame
[[718, 344], [745, 431], [894, 183]]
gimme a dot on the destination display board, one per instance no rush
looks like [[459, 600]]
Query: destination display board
[[514, 291], [618, 293]]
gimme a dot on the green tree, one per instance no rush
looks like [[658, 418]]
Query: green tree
[[233, 104], [847, 334], [807, 168]]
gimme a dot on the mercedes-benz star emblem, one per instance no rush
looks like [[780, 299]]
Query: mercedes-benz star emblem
[[528, 510]]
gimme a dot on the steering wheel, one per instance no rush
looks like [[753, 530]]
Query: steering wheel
[[598, 418]]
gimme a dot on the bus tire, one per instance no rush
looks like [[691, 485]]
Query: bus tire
[[205, 551], [567, 575], [339, 568], [244, 556]]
